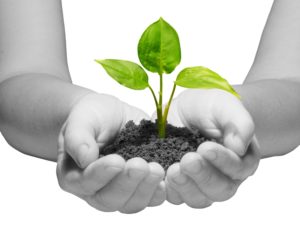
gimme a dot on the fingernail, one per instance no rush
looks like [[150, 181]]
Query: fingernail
[[211, 155], [180, 179], [194, 167], [134, 173]]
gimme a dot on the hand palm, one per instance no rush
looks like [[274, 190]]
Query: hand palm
[[108, 183], [215, 171], [217, 114]]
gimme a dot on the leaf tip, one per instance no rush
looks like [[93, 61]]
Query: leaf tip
[[98, 61], [237, 95]]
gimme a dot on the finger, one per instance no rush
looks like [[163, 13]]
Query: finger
[[227, 161], [85, 182], [119, 190], [172, 195], [92, 201], [159, 196], [213, 184], [101, 172], [145, 190], [79, 141], [187, 188], [134, 114], [223, 159], [237, 126], [68, 174]]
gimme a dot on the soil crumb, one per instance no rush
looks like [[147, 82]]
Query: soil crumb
[[142, 141]]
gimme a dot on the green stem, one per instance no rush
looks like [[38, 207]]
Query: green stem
[[161, 127], [165, 115], [160, 88], [155, 99], [158, 111]]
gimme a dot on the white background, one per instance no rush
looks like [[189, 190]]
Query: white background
[[220, 34]]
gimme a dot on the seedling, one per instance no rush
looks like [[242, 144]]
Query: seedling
[[159, 52]]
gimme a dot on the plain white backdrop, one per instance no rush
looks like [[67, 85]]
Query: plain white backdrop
[[220, 34]]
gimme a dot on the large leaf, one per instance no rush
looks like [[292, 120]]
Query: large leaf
[[201, 77], [159, 48], [127, 73]]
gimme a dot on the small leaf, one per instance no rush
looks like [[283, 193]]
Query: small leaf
[[159, 48], [126, 73], [201, 77]]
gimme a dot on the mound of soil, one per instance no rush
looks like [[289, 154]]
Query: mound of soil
[[142, 141]]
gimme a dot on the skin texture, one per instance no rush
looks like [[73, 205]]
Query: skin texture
[[44, 117], [216, 170], [109, 183], [264, 123], [47, 107]]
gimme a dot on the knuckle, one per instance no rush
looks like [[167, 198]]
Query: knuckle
[[131, 210], [59, 175], [205, 177], [61, 180], [245, 172], [62, 184], [200, 204], [92, 202], [174, 201], [124, 189], [106, 202], [240, 174], [253, 169], [153, 180], [228, 192], [157, 201], [86, 188]]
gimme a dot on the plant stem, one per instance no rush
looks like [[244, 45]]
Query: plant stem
[[155, 99], [161, 126], [165, 114], [158, 112]]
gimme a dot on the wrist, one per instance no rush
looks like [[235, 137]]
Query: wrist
[[33, 108]]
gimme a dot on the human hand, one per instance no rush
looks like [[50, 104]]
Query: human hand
[[109, 183], [216, 170]]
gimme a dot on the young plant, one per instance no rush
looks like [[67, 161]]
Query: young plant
[[159, 52]]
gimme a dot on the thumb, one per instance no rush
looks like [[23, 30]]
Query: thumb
[[133, 113], [239, 132], [80, 143]]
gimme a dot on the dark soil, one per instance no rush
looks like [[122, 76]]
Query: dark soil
[[142, 141]]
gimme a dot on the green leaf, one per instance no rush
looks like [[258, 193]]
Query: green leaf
[[126, 73], [159, 48], [201, 77]]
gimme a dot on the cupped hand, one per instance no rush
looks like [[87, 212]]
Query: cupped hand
[[107, 183], [215, 171]]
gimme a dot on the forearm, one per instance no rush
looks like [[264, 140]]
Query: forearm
[[278, 54], [32, 38], [35, 85], [272, 87], [275, 107], [33, 108]]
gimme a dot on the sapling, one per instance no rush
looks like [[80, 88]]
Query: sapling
[[159, 52]]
